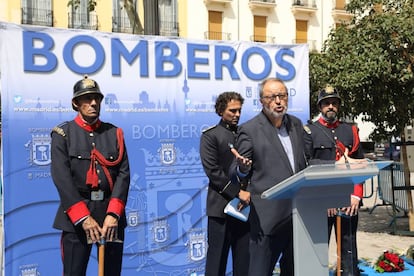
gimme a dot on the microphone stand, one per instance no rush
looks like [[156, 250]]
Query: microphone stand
[[348, 166]]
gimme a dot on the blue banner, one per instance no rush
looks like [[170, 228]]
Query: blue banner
[[161, 91]]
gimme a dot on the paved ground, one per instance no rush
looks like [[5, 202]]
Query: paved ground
[[375, 231], [374, 234]]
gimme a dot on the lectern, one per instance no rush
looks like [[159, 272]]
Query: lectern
[[313, 191]]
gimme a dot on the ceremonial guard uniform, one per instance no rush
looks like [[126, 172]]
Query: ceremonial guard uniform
[[223, 231], [214, 146], [325, 142], [91, 172]]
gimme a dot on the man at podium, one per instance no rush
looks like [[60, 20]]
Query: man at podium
[[328, 140], [271, 149]]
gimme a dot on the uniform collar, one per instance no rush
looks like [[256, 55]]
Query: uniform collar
[[325, 123], [88, 127], [228, 126]]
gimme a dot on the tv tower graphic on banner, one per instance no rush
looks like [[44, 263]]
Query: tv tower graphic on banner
[[186, 89]]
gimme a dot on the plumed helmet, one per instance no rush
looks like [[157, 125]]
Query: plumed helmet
[[328, 92], [85, 86]]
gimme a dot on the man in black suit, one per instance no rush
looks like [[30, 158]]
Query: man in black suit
[[271, 149], [224, 232]]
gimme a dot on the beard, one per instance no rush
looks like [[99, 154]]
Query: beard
[[330, 116], [274, 114]]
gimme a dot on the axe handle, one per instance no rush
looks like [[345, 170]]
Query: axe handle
[[338, 245], [101, 260]]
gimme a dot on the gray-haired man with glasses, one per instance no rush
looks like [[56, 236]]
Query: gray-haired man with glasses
[[271, 149]]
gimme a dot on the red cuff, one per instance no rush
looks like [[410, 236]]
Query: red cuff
[[116, 206], [358, 190], [77, 211]]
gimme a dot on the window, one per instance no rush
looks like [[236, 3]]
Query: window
[[340, 4], [168, 17], [120, 21], [81, 18], [37, 12], [301, 31], [215, 25], [259, 29]]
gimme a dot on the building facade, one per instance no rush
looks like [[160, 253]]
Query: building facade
[[268, 21]]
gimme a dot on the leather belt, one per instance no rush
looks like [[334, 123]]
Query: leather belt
[[95, 195]]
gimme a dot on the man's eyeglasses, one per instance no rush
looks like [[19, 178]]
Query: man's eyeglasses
[[273, 97]]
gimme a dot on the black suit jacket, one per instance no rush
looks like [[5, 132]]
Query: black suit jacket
[[216, 158], [258, 140]]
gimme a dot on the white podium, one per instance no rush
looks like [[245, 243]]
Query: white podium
[[313, 191]]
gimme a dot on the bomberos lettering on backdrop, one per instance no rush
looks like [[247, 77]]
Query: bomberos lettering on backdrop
[[161, 91]]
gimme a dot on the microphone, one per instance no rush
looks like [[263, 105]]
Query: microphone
[[348, 165], [338, 148]]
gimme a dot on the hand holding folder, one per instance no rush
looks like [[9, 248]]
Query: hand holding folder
[[232, 209]]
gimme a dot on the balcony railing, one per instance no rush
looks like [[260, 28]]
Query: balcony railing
[[305, 3], [263, 1], [311, 43], [339, 12], [121, 24], [217, 36], [87, 21], [262, 38], [32, 16], [223, 2], [169, 28], [262, 4], [305, 8]]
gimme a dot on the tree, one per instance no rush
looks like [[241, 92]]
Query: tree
[[370, 61], [133, 17]]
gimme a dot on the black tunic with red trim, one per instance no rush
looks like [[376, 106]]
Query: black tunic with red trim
[[72, 145], [326, 143]]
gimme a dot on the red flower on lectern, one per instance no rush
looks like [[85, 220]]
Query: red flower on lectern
[[389, 262]]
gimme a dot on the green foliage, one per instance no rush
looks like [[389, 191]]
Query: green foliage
[[370, 62]]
